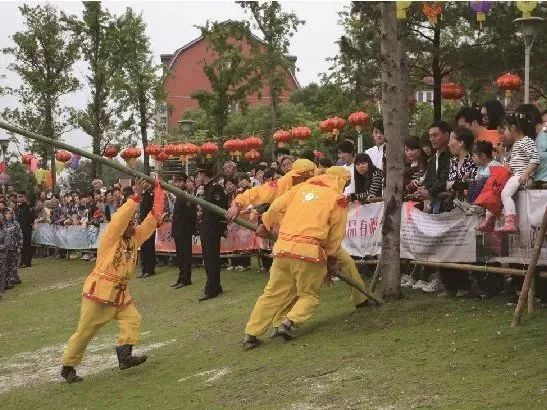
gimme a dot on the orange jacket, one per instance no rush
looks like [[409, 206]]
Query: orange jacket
[[267, 193], [117, 257], [312, 218]]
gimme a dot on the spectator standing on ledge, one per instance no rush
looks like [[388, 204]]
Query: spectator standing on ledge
[[438, 167], [25, 217], [346, 155], [182, 229], [212, 227], [376, 153]]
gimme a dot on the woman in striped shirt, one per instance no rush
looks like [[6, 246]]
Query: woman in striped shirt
[[523, 161], [368, 179]]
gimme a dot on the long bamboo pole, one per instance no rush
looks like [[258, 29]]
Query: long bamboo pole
[[528, 279], [113, 164]]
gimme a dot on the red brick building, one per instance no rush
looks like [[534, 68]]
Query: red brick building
[[186, 77]]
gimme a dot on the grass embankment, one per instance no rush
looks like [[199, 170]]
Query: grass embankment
[[420, 351]]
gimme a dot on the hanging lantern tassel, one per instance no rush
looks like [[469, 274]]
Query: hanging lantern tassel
[[401, 9], [432, 10], [526, 7]]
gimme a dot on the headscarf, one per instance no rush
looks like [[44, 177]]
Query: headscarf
[[301, 166], [341, 174]]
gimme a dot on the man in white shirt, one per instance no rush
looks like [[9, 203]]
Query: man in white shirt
[[376, 153], [346, 155]]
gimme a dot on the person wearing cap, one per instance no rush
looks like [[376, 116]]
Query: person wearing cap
[[182, 229], [105, 295], [211, 227], [312, 224], [301, 170], [267, 193]]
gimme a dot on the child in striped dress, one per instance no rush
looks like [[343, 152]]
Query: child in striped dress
[[523, 161]]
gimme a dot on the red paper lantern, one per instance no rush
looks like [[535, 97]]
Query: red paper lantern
[[325, 126], [509, 82], [63, 156], [252, 155], [152, 149], [359, 119], [337, 124], [282, 137], [253, 142], [209, 149], [110, 151], [170, 149], [161, 157], [26, 158], [452, 91], [432, 10], [130, 156], [240, 146], [230, 146], [301, 134]]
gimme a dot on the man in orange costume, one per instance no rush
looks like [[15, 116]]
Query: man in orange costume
[[312, 220], [301, 170], [105, 295]]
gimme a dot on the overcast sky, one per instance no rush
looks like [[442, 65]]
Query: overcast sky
[[171, 24]]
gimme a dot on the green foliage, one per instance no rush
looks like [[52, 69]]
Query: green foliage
[[80, 179], [44, 54], [138, 84], [356, 68], [231, 75], [20, 177], [277, 28], [95, 32]]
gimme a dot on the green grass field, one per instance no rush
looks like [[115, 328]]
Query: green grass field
[[422, 351]]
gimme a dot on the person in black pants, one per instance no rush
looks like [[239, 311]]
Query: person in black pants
[[25, 217], [182, 229], [212, 227], [148, 248]]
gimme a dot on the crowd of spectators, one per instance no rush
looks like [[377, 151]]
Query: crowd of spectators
[[445, 167]]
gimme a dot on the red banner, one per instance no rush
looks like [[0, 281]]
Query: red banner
[[239, 239]]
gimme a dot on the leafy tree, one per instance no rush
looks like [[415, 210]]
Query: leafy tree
[[324, 100], [138, 84], [20, 178], [95, 33], [277, 27], [231, 75], [44, 54], [356, 68]]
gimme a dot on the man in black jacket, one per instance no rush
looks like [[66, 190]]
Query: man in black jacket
[[182, 229], [25, 217], [148, 248], [212, 227], [438, 166]]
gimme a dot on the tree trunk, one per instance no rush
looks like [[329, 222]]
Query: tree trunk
[[273, 105], [437, 73], [395, 119], [50, 133], [144, 130]]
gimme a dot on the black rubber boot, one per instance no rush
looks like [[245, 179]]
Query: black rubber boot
[[126, 359], [250, 342], [69, 374]]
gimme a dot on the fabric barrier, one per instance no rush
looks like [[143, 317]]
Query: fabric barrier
[[447, 237], [238, 239]]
